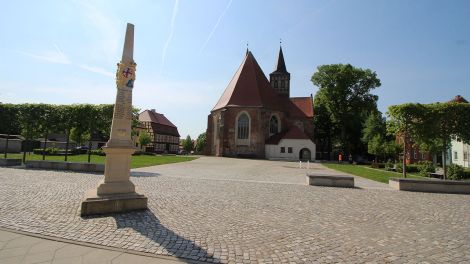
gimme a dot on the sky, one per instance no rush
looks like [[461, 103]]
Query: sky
[[65, 51]]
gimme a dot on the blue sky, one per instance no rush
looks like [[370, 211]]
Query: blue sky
[[65, 52]]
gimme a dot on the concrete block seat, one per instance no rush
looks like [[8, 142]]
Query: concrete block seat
[[10, 162], [61, 165], [330, 180], [432, 186]]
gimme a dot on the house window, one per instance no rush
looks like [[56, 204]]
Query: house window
[[243, 125], [289, 149], [456, 157], [273, 125], [415, 154], [465, 155], [283, 150], [423, 156]]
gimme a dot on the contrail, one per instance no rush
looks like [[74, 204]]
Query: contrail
[[215, 26], [167, 43]]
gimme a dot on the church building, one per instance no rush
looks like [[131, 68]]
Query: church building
[[256, 117]]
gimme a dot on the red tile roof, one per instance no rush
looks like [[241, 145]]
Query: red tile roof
[[248, 87], [154, 117], [292, 133], [459, 99], [304, 104]]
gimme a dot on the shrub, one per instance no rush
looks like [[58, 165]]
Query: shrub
[[455, 172], [399, 167], [47, 151], [98, 152], [412, 168], [377, 165], [425, 167], [389, 165]]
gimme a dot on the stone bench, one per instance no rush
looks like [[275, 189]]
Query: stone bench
[[62, 165], [330, 180], [10, 162], [433, 186]]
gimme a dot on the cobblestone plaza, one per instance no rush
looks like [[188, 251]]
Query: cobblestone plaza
[[246, 211]]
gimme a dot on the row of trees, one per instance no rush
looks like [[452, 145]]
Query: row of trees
[[188, 144], [79, 122], [431, 126]]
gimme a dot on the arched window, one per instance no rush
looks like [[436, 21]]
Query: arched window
[[273, 125], [243, 126], [275, 84], [282, 84]]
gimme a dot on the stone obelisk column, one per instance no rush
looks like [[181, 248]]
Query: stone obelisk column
[[116, 193]]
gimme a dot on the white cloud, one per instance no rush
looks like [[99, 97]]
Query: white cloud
[[170, 36], [215, 26], [52, 56], [97, 70]]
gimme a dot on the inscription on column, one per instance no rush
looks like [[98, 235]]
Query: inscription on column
[[123, 107]]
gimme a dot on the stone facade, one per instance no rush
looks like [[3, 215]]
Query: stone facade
[[266, 112]]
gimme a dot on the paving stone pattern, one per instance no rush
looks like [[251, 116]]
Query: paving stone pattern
[[246, 211]]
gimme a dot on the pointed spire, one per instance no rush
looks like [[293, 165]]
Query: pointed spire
[[247, 50], [128, 50], [281, 65]]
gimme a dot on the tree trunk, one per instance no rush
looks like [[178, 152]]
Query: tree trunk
[[404, 156], [444, 154], [89, 151], [67, 144], [44, 148], [6, 145]]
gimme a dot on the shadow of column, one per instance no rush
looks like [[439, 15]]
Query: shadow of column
[[148, 225]]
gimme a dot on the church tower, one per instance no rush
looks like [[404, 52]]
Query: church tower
[[280, 77]]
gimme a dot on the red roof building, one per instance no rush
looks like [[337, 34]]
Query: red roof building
[[164, 134], [253, 112]]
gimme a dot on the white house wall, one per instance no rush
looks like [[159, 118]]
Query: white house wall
[[274, 151], [460, 149]]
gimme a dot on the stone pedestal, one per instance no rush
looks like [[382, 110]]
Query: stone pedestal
[[112, 203], [116, 193]]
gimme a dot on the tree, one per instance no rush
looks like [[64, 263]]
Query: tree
[[407, 122], [201, 142], [30, 123], [344, 95], [9, 122], [144, 138], [374, 133], [445, 121], [188, 144]]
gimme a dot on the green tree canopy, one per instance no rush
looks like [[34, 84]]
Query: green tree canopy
[[188, 144], [345, 100], [201, 142], [144, 138]]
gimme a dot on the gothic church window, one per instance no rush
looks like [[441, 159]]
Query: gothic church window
[[275, 84], [273, 125], [243, 125], [282, 84]]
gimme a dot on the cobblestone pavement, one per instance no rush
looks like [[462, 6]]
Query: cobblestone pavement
[[246, 211]]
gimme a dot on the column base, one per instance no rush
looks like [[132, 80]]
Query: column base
[[94, 204]]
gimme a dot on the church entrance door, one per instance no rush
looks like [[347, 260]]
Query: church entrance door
[[305, 154]]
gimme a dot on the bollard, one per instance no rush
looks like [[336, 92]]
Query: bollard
[[300, 164], [308, 164]]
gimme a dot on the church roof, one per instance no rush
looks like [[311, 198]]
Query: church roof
[[293, 132], [304, 104], [248, 87], [154, 117], [281, 64], [459, 99]]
